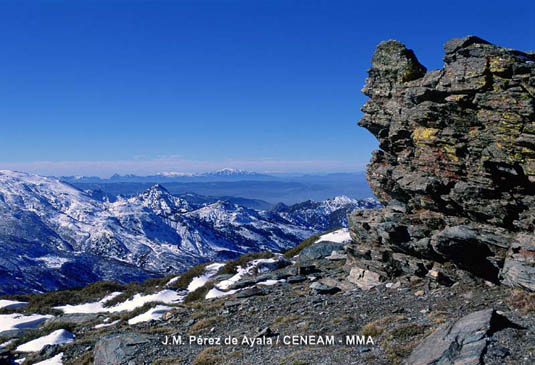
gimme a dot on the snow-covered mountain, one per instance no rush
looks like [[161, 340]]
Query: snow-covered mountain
[[53, 235], [167, 176]]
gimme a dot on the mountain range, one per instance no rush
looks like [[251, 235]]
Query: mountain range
[[225, 174], [270, 188], [54, 235]]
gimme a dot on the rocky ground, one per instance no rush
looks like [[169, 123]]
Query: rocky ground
[[316, 299]]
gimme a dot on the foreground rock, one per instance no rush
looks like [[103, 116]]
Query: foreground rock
[[119, 349], [456, 165], [461, 342]]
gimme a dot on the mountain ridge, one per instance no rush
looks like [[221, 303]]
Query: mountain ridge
[[52, 225]]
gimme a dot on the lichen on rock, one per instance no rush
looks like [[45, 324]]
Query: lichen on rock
[[456, 166]]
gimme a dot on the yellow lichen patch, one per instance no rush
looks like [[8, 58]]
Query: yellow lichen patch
[[500, 64], [473, 131], [528, 152], [424, 135], [529, 167], [451, 152], [512, 117]]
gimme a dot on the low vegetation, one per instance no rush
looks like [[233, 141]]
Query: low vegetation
[[45, 330], [202, 324], [199, 293], [372, 329], [44, 302], [208, 356], [523, 301], [309, 241], [185, 279]]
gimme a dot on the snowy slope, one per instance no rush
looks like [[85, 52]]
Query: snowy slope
[[53, 235]]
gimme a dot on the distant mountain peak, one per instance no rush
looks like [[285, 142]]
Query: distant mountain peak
[[231, 172]]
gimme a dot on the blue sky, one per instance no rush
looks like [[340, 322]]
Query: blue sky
[[97, 87]]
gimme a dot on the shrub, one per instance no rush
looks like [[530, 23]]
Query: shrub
[[208, 356], [371, 329], [202, 324], [185, 278], [297, 249], [309, 241], [403, 333], [199, 293]]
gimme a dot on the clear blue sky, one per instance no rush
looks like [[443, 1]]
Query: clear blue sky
[[97, 87]]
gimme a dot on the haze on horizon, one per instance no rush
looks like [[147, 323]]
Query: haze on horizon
[[104, 87]]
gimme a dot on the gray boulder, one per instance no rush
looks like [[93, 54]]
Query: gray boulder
[[119, 349], [461, 342], [319, 250]]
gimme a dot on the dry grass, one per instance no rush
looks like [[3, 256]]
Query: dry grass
[[282, 321], [85, 359], [375, 328], [523, 301], [438, 317], [167, 361], [371, 329], [405, 332], [202, 324], [208, 356]]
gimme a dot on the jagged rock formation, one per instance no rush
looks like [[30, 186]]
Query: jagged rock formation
[[456, 165]]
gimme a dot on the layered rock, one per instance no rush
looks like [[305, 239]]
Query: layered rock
[[456, 165]]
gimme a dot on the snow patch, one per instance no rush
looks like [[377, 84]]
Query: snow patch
[[173, 280], [102, 325], [6, 344], [166, 296], [58, 337], [153, 314], [94, 307], [270, 282], [209, 272], [216, 293], [53, 262], [339, 236], [19, 321], [262, 265], [10, 304], [56, 360]]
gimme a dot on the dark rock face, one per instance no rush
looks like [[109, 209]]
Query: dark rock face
[[456, 165]]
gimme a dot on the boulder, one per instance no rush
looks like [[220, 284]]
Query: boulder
[[120, 348], [250, 292], [365, 279], [319, 250], [321, 288], [461, 342]]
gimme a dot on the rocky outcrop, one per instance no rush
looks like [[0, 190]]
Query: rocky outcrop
[[456, 165]]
